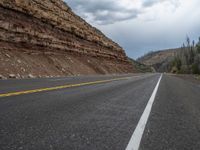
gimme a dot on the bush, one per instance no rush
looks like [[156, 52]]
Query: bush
[[195, 69]]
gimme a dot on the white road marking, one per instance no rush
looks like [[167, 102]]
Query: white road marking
[[135, 140]]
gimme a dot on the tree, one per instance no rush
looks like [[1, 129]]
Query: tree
[[198, 46], [188, 41], [187, 59]]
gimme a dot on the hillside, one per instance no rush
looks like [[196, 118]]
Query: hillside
[[45, 38], [159, 60], [140, 67]]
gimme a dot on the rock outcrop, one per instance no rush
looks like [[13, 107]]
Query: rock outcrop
[[47, 38]]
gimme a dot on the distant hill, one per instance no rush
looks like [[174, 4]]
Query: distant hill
[[183, 60], [159, 60], [141, 67]]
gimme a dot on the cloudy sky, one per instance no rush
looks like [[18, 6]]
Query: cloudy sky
[[140, 26]]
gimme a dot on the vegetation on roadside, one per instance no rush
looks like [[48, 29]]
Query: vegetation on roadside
[[187, 59], [183, 60]]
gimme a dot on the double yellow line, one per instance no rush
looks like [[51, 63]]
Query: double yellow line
[[60, 87]]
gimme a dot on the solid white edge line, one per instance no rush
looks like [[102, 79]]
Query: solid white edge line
[[135, 140]]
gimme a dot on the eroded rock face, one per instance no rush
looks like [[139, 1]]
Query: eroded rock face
[[49, 28]]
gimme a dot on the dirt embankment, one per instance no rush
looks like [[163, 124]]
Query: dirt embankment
[[45, 38]]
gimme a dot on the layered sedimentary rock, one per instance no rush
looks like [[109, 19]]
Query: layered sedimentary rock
[[47, 38]]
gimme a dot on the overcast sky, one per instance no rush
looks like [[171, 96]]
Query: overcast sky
[[140, 26]]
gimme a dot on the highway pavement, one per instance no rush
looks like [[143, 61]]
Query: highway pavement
[[107, 112]]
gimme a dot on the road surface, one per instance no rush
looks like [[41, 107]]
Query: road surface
[[100, 113]]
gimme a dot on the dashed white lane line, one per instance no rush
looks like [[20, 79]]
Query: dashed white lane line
[[135, 140]]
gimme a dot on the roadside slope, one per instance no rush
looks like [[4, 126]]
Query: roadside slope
[[45, 38]]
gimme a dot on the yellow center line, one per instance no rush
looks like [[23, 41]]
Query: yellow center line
[[60, 87]]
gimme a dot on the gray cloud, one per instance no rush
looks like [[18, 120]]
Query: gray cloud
[[149, 3], [142, 25], [110, 11], [102, 12]]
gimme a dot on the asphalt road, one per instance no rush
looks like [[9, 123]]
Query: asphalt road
[[99, 115]]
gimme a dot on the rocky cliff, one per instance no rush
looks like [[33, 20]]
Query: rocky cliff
[[45, 38]]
